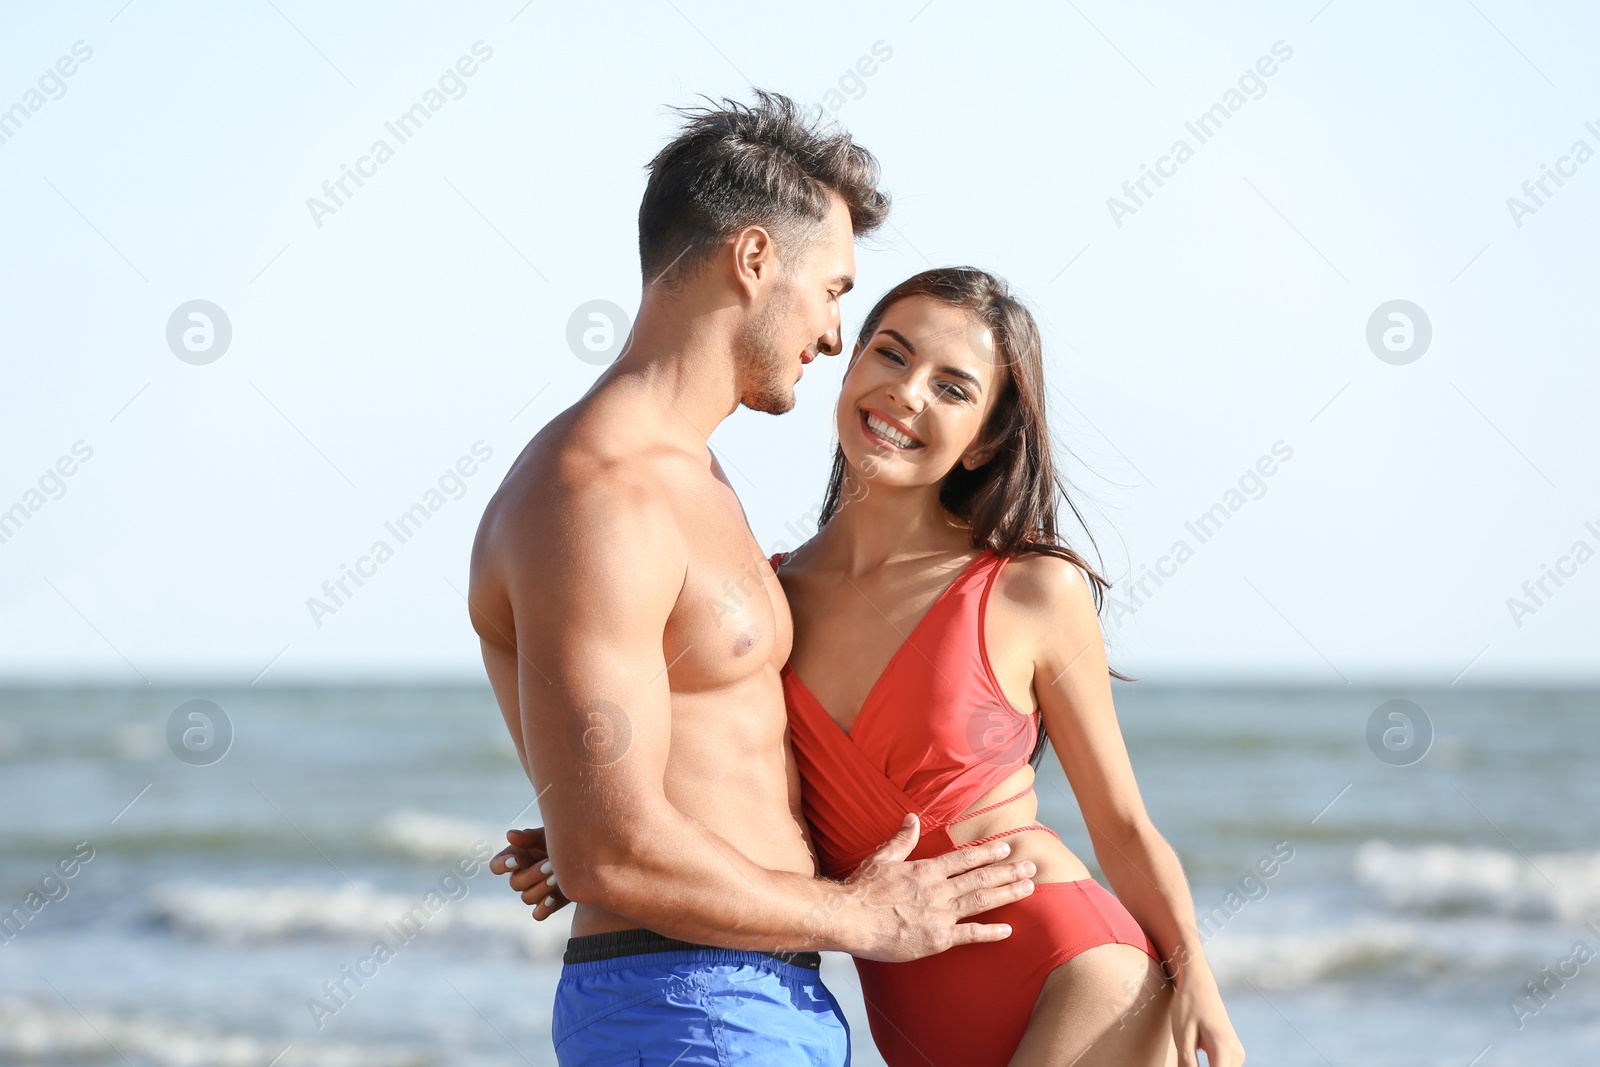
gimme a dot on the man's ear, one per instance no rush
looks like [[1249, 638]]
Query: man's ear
[[754, 258]]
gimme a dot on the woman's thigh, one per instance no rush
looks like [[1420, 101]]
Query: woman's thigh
[[1105, 1006]]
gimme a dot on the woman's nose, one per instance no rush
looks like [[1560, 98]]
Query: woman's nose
[[909, 393]]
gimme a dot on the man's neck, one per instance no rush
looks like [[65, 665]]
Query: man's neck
[[681, 356]]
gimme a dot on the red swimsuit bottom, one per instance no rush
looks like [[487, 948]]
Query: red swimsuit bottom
[[935, 733]]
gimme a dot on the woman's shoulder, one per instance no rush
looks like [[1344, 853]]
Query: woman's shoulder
[[1045, 585]]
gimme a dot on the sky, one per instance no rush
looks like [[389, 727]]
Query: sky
[[1344, 319]]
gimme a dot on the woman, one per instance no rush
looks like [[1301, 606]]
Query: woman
[[942, 632]]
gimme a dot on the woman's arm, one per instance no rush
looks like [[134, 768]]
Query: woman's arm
[[1072, 684]]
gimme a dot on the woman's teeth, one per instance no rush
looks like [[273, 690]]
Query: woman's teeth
[[890, 434]]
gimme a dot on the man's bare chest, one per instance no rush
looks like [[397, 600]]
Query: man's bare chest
[[731, 620]]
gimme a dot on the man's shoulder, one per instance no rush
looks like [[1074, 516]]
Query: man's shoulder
[[579, 479], [584, 459]]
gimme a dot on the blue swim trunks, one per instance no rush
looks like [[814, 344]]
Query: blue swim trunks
[[633, 997]]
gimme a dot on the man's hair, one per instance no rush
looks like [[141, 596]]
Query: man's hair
[[735, 165]]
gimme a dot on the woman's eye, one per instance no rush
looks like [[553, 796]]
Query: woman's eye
[[955, 391], [889, 353]]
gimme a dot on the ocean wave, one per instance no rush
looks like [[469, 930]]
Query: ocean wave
[[33, 1033], [409, 832], [1450, 879], [1291, 961], [489, 913], [1422, 950], [430, 836]]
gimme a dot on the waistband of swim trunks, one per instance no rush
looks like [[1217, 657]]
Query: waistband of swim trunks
[[593, 948]]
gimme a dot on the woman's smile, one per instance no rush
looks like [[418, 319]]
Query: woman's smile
[[887, 432]]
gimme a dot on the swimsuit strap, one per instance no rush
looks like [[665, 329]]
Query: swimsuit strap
[[991, 807], [1006, 833], [1002, 833]]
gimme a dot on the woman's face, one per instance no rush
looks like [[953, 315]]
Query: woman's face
[[917, 394]]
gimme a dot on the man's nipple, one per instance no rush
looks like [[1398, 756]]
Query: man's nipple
[[747, 639]]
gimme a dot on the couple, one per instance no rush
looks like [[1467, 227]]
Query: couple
[[742, 762]]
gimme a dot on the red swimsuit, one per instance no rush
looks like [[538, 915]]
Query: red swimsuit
[[935, 733]]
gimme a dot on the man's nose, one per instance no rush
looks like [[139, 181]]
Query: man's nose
[[832, 342]]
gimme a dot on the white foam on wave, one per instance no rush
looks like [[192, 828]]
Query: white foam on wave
[[1291, 961], [1414, 949], [430, 836], [1444, 878], [33, 1033], [234, 914]]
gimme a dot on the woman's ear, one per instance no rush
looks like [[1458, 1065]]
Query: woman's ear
[[978, 455]]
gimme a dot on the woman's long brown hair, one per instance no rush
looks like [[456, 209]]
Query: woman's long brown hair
[[1009, 503]]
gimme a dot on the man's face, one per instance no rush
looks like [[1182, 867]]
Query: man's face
[[797, 316]]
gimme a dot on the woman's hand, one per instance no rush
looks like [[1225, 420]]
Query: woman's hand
[[531, 872], [1199, 1021]]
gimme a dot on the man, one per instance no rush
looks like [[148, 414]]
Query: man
[[633, 634]]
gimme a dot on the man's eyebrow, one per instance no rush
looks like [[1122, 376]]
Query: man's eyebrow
[[954, 372], [845, 283]]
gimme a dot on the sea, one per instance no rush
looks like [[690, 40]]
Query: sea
[[191, 876]]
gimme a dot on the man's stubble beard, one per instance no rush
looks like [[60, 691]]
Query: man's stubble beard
[[764, 365]]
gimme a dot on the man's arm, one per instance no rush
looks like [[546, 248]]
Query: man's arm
[[591, 586]]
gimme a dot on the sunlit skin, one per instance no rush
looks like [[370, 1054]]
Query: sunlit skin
[[932, 372], [647, 712], [932, 375]]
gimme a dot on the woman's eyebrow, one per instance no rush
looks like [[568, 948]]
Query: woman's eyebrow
[[966, 376], [954, 372], [898, 336]]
